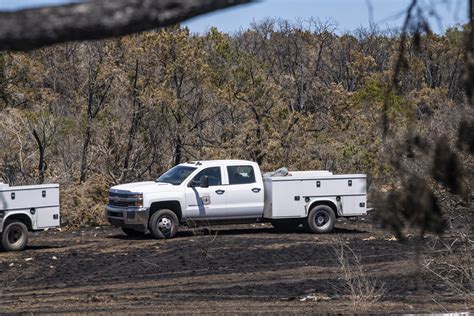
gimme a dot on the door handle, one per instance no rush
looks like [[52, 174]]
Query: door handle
[[256, 190], [220, 191]]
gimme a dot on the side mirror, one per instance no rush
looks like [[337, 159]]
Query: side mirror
[[204, 182]]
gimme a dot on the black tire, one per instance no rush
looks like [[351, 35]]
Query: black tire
[[321, 219], [285, 225], [14, 236], [132, 232], [163, 224]]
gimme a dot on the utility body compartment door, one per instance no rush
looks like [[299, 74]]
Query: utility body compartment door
[[47, 217], [283, 198]]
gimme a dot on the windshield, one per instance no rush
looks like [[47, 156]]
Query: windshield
[[176, 175]]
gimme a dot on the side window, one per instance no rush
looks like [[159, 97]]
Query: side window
[[241, 174], [213, 173]]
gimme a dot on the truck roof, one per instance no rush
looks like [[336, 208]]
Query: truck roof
[[218, 162]]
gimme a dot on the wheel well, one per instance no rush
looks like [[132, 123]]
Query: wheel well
[[174, 206], [327, 203], [25, 219]]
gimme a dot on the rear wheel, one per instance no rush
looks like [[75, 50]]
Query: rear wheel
[[285, 225], [14, 236], [321, 219], [163, 224], [132, 233]]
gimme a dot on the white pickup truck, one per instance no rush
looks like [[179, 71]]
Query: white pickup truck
[[220, 191], [26, 208]]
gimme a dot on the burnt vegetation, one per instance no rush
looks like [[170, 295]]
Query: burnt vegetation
[[92, 114], [394, 104]]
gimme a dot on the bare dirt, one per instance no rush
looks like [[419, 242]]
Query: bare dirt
[[234, 269]]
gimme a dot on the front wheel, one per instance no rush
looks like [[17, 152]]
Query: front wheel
[[163, 224], [14, 236], [321, 219]]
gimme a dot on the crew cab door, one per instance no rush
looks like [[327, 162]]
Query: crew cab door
[[244, 192], [211, 202]]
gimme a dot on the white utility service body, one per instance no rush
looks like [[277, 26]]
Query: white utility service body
[[293, 195], [220, 191], [26, 208]]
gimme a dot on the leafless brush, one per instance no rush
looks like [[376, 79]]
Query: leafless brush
[[364, 291], [204, 237], [455, 266]]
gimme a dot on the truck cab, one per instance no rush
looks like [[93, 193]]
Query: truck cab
[[214, 190]]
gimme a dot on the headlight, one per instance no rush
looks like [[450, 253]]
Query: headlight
[[139, 199]]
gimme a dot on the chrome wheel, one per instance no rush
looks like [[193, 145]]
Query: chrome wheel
[[164, 224]]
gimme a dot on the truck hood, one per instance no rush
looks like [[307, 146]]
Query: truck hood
[[144, 187]]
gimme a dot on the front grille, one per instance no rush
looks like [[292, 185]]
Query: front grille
[[122, 199], [120, 203], [120, 195]]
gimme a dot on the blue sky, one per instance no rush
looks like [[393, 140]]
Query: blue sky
[[347, 14]]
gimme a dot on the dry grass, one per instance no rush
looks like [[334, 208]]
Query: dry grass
[[204, 237], [454, 266], [364, 291]]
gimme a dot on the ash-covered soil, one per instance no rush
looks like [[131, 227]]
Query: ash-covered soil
[[230, 269]]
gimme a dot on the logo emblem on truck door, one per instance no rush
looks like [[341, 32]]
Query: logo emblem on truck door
[[206, 199]]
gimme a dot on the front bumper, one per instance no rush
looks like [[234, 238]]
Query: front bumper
[[132, 217]]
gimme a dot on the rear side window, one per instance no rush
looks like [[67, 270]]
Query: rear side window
[[241, 174]]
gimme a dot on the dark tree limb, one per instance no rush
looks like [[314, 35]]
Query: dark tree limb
[[42, 162], [96, 19]]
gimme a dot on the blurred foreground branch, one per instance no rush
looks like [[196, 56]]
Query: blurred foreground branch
[[96, 19]]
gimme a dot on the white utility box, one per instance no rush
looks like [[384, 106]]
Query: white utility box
[[293, 195], [33, 207]]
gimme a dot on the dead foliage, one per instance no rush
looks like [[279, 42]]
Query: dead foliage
[[454, 265], [364, 291], [203, 238]]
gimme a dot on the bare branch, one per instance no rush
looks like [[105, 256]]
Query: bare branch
[[96, 19]]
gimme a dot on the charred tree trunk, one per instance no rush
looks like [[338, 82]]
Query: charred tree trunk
[[134, 125], [96, 100], [41, 164], [178, 150], [87, 134], [85, 151]]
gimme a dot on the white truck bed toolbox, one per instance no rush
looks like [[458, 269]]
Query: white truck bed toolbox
[[290, 196], [28, 196], [26, 208], [40, 201]]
